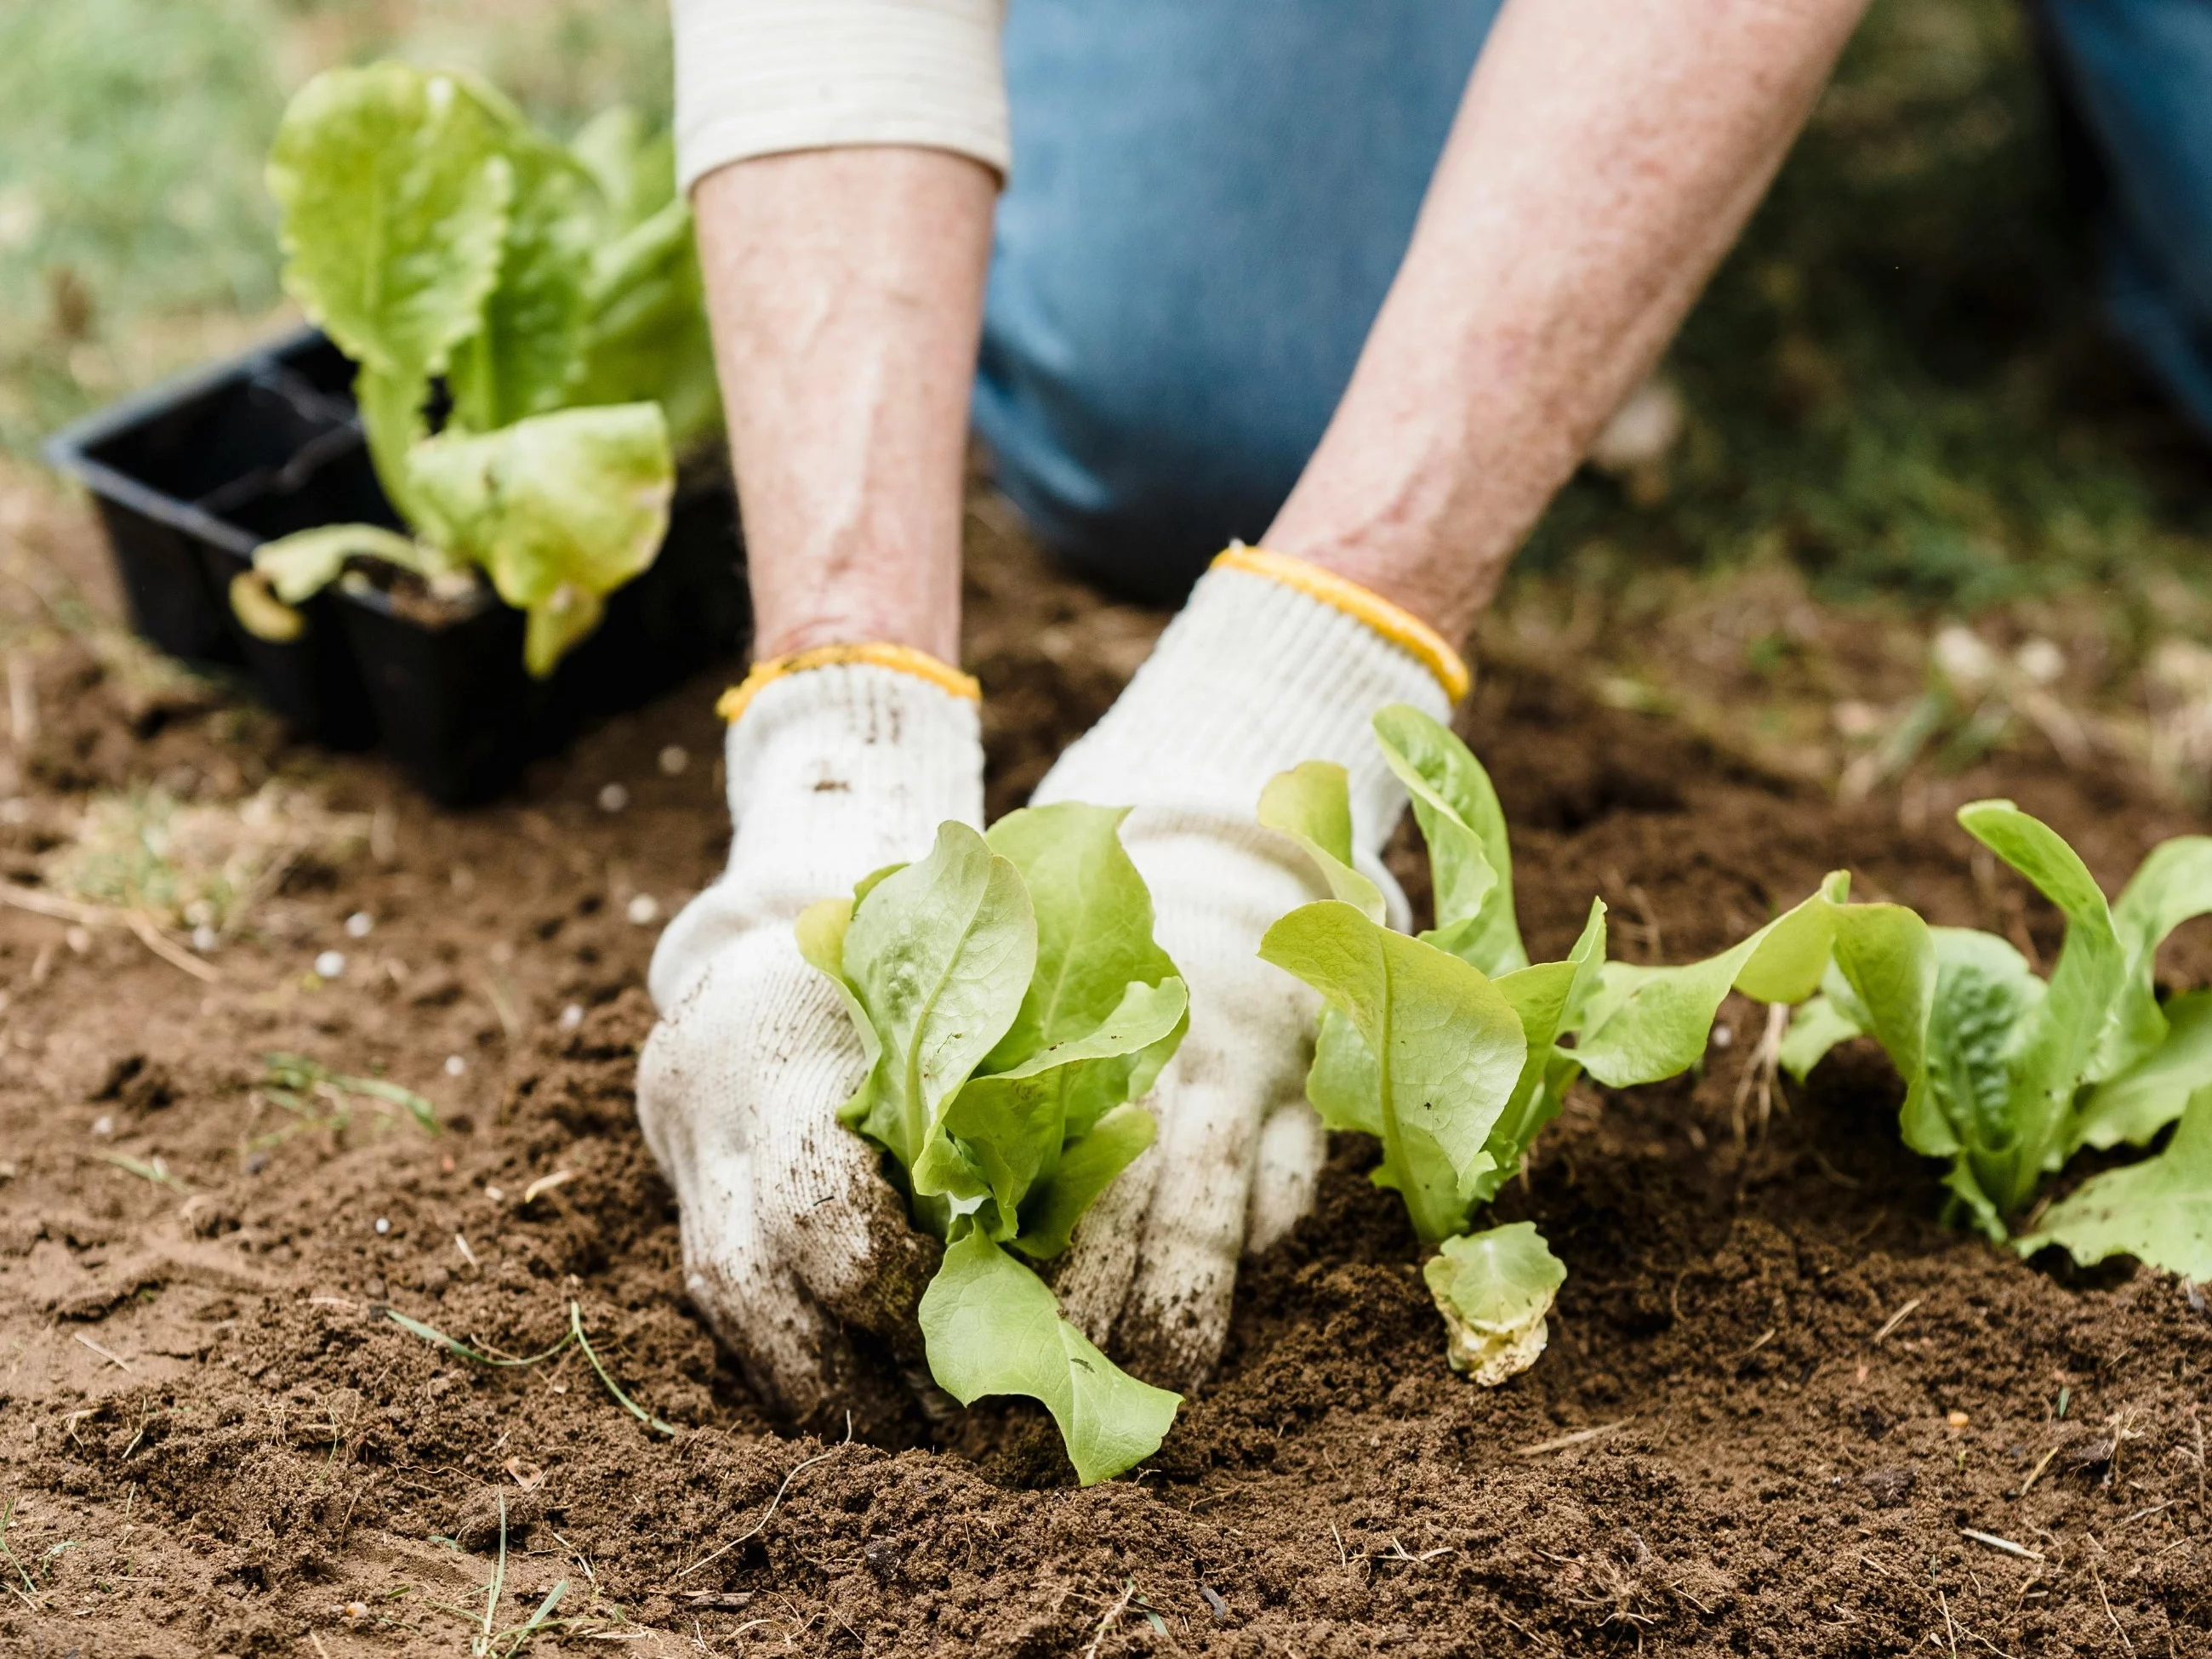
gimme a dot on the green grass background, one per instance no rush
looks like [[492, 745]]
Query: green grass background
[[1897, 383]]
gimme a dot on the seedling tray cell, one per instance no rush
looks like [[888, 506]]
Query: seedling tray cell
[[190, 478]]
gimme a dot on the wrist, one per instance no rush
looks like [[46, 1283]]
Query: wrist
[[871, 606]]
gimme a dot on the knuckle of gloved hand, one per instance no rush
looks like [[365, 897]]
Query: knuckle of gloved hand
[[800, 1363], [1173, 1341], [866, 1263]]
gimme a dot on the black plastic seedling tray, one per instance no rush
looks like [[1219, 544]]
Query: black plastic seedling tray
[[191, 476]]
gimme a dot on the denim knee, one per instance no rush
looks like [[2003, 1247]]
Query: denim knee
[[1209, 200], [2141, 72]]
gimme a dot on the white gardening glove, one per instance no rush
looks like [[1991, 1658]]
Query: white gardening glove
[[790, 1231], [1255, 675]]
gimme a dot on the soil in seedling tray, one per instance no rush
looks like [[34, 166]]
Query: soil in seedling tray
[[1781, 1412]]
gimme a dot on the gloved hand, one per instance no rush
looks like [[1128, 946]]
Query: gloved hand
[[1272, 662], [790, 1231]]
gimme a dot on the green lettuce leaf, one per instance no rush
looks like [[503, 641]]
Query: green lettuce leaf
[[634, 169], [1884, 981], [1815, 1027], [1094, 922], [1470, 859], [991, 1327], [1087, 1169], [2006, 1075], [1494, 1289], [1446, 1045], [1547, 998], [1004, 1132], [2061, 1033], [559, 510], [645, 332], [2150, 1094], [395, 191], [527, 349], [2159, 1211], [1645, 1023], [1312, 804], [938, 956], [300, 565], [1013, 1002], [2171, 886]]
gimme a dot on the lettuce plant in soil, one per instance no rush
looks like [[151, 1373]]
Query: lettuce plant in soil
[[1014, 1007], [2009, 1075], [1454, 1050], [545, 296]]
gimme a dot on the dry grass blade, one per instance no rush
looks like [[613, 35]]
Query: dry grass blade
[[545, 1184], [146, 1170], [1990, 1540], [1576, 1438], [2106, 1601], [175, 954], [1898, 1318], [115, 1360], [754, 1530], [61, 910], [101, 915]]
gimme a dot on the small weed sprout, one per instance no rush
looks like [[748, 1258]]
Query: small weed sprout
[[575, 1334]]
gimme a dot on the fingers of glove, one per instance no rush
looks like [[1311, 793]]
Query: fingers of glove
[[1177, 1312], [755, 1307], [841, 1226], [675, 1075], [1092, 1279], [1292, 1147], [762, 1056]]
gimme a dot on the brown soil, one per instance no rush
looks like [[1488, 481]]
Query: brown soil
[[1778, 1395]]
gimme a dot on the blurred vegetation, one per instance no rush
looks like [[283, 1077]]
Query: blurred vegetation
[[136, 237], [1896, 384], [1898, 381]]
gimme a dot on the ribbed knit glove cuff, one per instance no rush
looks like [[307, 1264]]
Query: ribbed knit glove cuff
[[1252, 678], [833, 773]]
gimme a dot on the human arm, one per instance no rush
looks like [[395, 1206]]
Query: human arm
[[1605, 156], [845, 288], [843, 159]]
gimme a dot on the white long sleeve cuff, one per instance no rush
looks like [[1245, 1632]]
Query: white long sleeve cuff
[[757, 77]]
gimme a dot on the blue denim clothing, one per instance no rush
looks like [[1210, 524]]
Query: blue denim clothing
[[2140, 72], [1210, 197], [1208, 202]]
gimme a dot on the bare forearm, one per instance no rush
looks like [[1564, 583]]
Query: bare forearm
[[845, 290], [1605, 156]]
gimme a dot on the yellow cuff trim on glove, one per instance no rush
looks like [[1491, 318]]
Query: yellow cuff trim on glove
[[904, 659], [1394, 622]]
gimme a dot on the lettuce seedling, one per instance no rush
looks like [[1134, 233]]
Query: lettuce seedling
[[1454, 1050], [1014, 1007], [2009, 1075], [550, 291]]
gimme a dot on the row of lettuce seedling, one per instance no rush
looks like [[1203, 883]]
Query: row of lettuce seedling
[[1016, 1009]]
